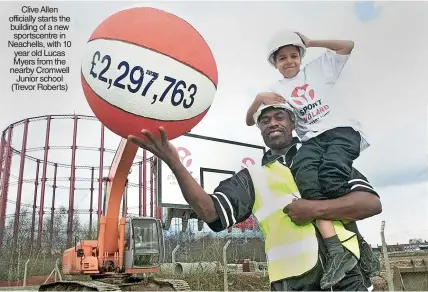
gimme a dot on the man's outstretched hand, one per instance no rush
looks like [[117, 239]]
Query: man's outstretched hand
[[301, 211], [160, 147]]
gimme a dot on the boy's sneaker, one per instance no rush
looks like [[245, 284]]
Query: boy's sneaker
[[337, 265], [369, 263]]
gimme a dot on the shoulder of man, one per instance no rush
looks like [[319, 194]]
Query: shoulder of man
[[233, 200]]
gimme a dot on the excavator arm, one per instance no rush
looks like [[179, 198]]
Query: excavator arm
[[108, 234]]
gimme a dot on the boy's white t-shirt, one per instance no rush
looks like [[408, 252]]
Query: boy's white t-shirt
[[309, 94]]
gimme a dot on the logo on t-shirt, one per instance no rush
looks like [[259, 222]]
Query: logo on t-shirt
[[302, 95], [309, 107]]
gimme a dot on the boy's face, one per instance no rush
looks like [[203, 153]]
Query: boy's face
[[288, 61]]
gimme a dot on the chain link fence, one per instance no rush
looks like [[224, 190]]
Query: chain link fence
[[36, 267], [404, 267], [410, 280], [191, 246]]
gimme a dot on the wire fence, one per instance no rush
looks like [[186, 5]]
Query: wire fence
[[23, 257]]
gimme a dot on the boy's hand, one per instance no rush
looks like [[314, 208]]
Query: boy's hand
[[304, 39], [270, 98]]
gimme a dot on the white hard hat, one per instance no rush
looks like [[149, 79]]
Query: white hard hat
[[284, 38], [264, 107]]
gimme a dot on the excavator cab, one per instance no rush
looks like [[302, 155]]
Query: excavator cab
[[144, 243]]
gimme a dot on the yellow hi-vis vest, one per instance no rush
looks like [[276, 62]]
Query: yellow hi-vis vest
[[291, 250]]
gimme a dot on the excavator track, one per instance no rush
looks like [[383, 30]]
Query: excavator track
[[150, 284], [79, 286]]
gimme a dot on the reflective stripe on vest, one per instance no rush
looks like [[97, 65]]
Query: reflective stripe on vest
[[291, 250]]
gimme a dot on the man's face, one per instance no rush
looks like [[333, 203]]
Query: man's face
[[276, 127], [288, 61]]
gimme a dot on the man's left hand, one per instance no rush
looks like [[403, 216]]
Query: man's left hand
[[159, 146], [301, 211]]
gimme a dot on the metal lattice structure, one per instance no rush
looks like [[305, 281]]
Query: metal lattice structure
[[66, 158]]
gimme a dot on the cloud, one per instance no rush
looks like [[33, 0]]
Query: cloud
[[405, 211], [366, 10], [401, 176]]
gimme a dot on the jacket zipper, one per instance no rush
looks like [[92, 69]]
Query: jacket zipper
[[283, 156]]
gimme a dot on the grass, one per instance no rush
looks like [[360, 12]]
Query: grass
[[214, 281]]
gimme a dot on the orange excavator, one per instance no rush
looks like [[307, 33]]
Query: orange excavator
[[128, 251]]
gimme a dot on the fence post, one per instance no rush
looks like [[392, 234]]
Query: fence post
[[19, 263], [57, 270], [225, 269], [25, 273], [386, 259], [174, 251]]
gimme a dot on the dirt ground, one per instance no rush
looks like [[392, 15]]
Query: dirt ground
[[31, 281], [249, 282]]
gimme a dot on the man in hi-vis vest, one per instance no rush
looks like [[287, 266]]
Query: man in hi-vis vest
[[295, 254]]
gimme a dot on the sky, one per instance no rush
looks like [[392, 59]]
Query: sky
[[382, 85]]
